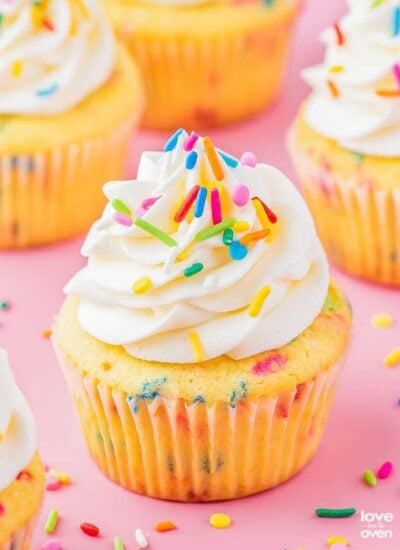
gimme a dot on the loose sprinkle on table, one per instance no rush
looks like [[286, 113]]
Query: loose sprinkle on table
[[392, 358], [62, 477], [164, 526], [4, 305], [118, 544], [382, 320], [197, 346], [220, 521], [385, 470], [369, 478], [334, 540], [46, 333], [53, 544], [258, 301], [90, 529], [141, 539], [335, 512], [51, 522], [52, 483], [142, 285]]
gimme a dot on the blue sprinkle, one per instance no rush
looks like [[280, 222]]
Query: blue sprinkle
[[133, 404], [172, 141], [230, 161], [237, 251], [191, 160], [198, 399], [44, 92], [239, 394], [200, 202], [396, 21]]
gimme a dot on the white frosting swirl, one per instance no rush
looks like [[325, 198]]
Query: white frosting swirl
[[53, 55], [17, 427], [363, 117], [214, 303]]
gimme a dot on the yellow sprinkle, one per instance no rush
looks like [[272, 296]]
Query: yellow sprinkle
[[259, 299], [392, 358], [241, 226], [142, 285], [62, 477], [261, 214], [336, 540], [16, 68], [197, 346], [337, 69], [382, 320], [220, 521]]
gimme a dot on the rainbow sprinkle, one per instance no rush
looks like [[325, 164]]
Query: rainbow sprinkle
[[156, 232], [51, 522], [392, 358], [121, 207], [396, 72], [213, 158], [237, 251], [172, 141], [191, 160], [193, 270], [396, 21], [209, 232], [258, 301], [216, 210], [200, 202], [339, 34], [190, 141], [197, 346], [45, 92], [227, 238], [255, 236], [187, 204], [333, 88], [142, 285]]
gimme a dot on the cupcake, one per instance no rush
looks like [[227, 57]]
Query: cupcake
[[206, 63], [69, 100], [21, 471], [203, 340], [346, 141]]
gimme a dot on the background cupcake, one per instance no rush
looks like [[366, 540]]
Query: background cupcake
[[21, 472], [69, 99], [346, 141], [202, 342], [206, 63]]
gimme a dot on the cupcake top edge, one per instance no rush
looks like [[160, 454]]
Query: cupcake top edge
[[17, 427], [202, 255], [355, 97], [53, 54]]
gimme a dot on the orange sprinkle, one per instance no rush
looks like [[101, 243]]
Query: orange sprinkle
[[388, 93], [47, 333], [255, 236], [339, 34], [333, 88], [213, 158], [48, 25], [164, 526]]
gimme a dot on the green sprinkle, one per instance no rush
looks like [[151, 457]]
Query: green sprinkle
[[376, 3], [335, 512], [51, 522], [4, 305], [118, 544], [214, 229], [121, 207], [358, 157], [157, 233], [228, 236], [369, 478], [192, 270]]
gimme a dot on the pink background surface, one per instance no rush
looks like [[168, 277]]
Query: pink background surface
[[362, 431]]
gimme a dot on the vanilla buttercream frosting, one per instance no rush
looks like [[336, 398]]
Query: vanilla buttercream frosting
[[17, 427], [356, 89], [53, 54], [202, 255]]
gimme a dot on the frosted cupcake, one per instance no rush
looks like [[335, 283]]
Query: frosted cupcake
[[202, 342], [21, 472], [206, 63], [69, 100], [346, 141]]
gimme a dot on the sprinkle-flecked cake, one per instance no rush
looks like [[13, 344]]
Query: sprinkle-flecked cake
[[203, 340], [69, 100], [206, 62], [21, 472], [345, 142]]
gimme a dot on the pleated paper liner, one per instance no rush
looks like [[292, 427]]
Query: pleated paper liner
[[47, 197], [174, 450], [359, 226], [209, 79], [21, 540]]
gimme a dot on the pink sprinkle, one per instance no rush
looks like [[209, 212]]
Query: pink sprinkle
[[385, 470], [248, 159], [190, 141], [269, 364], [122, 219], [216, 206], [2, 509], [241, 195], [140, 212], [52, 483], [53, 544], [147, 203], [396, 72]]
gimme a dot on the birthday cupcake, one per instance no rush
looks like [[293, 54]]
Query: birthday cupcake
[[21, 472], [69, 100], [346, 141], [203, 340], [206, 62]]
